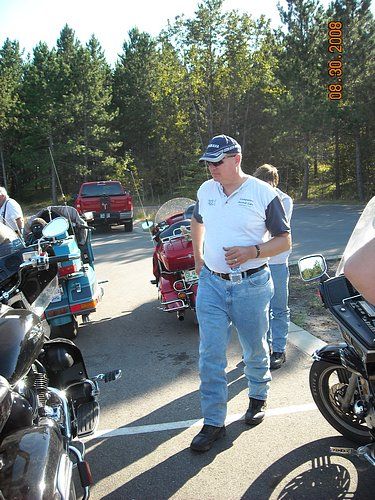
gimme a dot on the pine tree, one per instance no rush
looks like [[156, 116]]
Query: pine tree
[[11, 70]]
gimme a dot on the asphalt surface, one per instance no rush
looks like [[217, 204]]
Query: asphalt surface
[[141, 449], [322, 228]]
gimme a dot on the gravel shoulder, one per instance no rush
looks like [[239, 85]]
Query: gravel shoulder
[[306, 308]]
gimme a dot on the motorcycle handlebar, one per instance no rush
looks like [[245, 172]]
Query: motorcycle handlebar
[[41, 262], [60, 258]]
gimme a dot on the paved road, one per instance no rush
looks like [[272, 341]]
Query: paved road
[[149, 417], [322, 228]]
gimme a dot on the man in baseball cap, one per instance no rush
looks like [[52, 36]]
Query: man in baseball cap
[[230, 227]]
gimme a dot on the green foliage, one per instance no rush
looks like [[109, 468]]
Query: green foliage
[[194, 174], [216, 72]]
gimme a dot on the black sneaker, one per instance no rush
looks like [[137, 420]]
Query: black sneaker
[[256, 411], [204, 440], [277, 359]]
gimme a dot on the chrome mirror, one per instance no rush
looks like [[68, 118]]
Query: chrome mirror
[[56, 227], [147, 225], [312, 267]]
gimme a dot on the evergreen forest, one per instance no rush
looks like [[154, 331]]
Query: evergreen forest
[[285, 96]]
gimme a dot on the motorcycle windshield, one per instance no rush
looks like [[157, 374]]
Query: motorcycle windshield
[[9, 241], [172, 207], [44, 298], [363, 232]]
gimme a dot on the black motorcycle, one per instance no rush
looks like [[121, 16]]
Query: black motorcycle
[[342, 376], [47, 400]]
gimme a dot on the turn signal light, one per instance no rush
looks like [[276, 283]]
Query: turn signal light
[[85, 305]]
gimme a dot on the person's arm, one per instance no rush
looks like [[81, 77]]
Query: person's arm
[[288, 207], [19, 222], [360, 270], [238, 255], [197, 236], [281, 241]]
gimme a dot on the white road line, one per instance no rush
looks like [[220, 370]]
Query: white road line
[[184, 424]]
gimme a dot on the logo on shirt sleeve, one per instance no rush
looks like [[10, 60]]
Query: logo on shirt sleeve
[[212, 202]]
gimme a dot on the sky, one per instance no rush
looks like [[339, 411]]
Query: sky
[[31, 21]]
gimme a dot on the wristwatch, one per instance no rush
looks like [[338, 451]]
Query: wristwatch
[[258, 251]]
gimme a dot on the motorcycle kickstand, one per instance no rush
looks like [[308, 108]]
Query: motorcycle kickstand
[[366, 452]]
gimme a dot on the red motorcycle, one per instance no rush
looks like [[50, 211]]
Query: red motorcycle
[[173, 259]]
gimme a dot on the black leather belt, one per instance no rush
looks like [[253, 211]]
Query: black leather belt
[[244, 274]]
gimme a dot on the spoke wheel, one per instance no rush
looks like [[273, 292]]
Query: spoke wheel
[[328, 385]]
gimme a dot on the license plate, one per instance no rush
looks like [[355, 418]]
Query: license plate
[[190, 276], [58, 295]]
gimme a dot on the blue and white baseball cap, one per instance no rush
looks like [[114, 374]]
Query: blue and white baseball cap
[[220, 146]]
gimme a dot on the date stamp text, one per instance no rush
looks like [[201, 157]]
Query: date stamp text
[[335, 66]]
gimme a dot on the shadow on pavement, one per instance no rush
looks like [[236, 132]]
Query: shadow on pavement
[[310, 472], [306, 473]]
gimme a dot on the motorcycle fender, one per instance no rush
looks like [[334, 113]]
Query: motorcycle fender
[[35, 464], [330, 353]]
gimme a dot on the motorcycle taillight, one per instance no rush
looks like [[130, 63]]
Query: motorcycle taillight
[[178, 285], [70, 269]]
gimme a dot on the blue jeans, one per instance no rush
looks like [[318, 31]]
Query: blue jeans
[[279, 312], [221, 303]]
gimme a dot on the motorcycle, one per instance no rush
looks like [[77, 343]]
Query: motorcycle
[[47, 400], [342, 376], [79, 292], [173, 258]]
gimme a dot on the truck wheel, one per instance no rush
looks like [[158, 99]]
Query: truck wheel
[[128, 226]]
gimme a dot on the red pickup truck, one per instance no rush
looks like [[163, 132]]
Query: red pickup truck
[[109, 203]]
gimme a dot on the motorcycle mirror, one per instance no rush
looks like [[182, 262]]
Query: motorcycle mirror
[[312, 267], [56, 227], [147, 225]]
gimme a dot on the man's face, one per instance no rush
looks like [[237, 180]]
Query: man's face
[[2, 199], [225, 171]]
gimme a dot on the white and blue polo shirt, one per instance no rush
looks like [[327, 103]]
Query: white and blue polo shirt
[[242, 219]]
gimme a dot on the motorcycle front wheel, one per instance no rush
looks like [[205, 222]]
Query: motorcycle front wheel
[[328, 385]]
